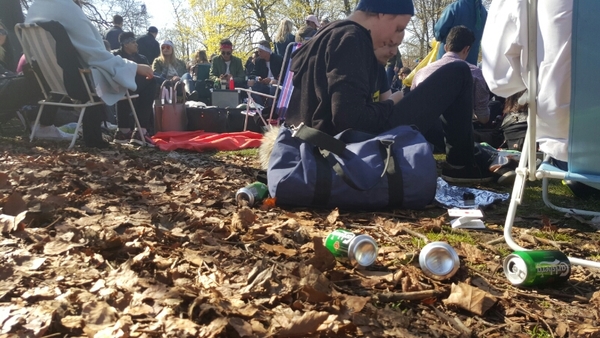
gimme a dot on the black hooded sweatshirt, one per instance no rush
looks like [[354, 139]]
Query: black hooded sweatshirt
[[335, 78]]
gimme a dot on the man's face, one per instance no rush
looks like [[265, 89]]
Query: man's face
[[130, 46], [264, 55], [226, 53], [389, 30], [384, 53]]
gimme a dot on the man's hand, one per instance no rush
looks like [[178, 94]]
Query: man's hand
[[145, 70]]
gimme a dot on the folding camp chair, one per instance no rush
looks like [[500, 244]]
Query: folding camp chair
[[583, 155], [40, 49], [283, 92]]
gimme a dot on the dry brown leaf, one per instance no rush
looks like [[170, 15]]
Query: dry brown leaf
[[562, 329], [4, 184], [242, 219], [315, 286], [98, 315], [214, 329], [587, 331], [279, 250], [14, 205], [472, 253], [355, 303], [470, 298], [242, 327], [323, 259], [333, 216], [301, 326], [58, 246], [10, 223]]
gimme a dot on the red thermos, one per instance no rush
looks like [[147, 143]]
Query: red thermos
[[231, 83]]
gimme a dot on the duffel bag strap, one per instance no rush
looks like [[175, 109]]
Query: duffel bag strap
[[319, 139], [389, 168]]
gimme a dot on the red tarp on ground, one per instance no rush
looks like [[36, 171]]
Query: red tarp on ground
[[200, 140]]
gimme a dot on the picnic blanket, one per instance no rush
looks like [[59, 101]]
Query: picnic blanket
[[201, 141]]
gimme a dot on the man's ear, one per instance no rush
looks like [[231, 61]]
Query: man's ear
[[467, 49], [446, 48]]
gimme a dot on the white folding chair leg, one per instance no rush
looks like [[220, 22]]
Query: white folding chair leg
[[36, 123], [77, 127], [137, 121]]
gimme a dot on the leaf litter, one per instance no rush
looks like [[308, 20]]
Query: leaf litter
[[124, 243]]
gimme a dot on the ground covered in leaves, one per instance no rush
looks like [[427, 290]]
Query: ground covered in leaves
[[140, 243]]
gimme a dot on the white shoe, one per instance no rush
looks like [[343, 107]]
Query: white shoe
[[51, 133], [110, 126]]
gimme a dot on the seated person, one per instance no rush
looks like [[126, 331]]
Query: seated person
[[458, 45], [225, 65], [167, 66], [112, 75], [146, 88], [308, 30], [250, 63], [398, 83], [333, 93], [266, 71], [196, 78]]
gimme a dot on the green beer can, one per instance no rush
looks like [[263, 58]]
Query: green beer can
[[252, 194], [358, 249], [530, 268]]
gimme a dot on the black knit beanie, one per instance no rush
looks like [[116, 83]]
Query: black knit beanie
[[386, 6]]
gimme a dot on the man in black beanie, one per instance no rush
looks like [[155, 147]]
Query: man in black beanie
[[335, 78]]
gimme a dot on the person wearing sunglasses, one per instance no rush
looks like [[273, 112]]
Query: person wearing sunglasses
[[226, 65], [167, 66], [146, 88]]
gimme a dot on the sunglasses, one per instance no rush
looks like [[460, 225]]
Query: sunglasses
[[165, 47], [3, 31], [225, 53], [128, 41]]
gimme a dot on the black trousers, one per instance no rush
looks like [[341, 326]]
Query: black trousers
[[447, 93], [143, 105]]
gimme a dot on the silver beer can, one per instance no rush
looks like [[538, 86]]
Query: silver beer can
[[439, 260]]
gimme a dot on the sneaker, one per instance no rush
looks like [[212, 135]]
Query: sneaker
[[465, 173], [52, 133], [137, 140], [121, 137]]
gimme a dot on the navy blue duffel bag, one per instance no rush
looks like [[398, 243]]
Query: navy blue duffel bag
[[352, 169]]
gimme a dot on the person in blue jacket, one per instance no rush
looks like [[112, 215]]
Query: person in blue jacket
[[469, 13]]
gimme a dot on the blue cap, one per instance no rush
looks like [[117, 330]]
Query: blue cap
[[152, 29], [386, 6]]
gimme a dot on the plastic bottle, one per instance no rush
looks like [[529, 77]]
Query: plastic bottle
[[231, 83]]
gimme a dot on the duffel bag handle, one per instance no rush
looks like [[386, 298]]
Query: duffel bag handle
[[330, 145]]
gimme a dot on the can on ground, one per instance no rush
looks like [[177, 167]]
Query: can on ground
[[252, 193], [530, 268], [439, 260], [358, 249]]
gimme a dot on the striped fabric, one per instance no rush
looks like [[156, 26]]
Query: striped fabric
[[287, 87], [39, 47]]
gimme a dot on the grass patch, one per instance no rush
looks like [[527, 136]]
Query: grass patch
[[454, 238], [538, 332], [555, 236], [251, 152]]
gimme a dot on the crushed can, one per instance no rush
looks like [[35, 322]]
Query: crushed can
[[531, 268], [346, 245], [439, 260], [252, 193]]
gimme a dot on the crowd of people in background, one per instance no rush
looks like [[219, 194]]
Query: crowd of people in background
[[327, 101]]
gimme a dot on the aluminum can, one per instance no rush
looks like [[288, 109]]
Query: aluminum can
[[252, 193], [439, 260], [530, 268], [358, 249]]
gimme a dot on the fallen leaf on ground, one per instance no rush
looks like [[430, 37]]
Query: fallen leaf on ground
[[470, 298]]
